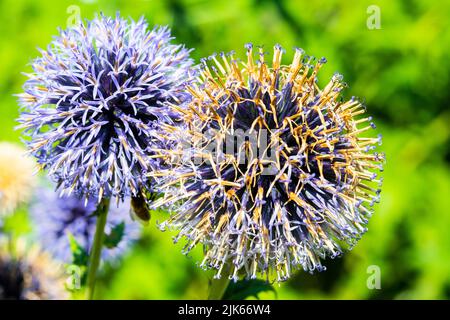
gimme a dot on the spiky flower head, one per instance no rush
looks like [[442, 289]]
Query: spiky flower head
[[272, 173], [17, 177], [27, 273], [93, 103], [59, 221]]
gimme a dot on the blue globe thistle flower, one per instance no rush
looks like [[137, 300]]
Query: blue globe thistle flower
[[56, 219], [271, 173], [94, 102]]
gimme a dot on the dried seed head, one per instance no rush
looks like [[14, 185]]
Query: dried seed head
[[271, 172]]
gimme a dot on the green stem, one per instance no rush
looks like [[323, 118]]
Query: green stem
[[217, 287], [96, 250]]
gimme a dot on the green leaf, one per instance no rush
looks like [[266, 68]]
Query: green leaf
[[80, 257], [243, 289], [115, 236]]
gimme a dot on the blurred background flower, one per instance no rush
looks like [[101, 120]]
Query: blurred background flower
[[17, 177], [402, 70], [60, 220], [27, 273], [95, 98]]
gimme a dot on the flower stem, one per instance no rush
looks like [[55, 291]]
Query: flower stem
[[96, 250], [217, 287]]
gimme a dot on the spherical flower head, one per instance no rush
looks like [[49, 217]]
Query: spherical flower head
[[272, 173], [17, 177], [29, 274], [93, 104], [57, 220]]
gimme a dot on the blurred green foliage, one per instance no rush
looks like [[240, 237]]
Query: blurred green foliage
[[402, 70]]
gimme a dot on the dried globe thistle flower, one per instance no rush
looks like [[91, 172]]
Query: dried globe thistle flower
[[271, 173], [93, 104], [16, 177], [29, 274], [57, 219]]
